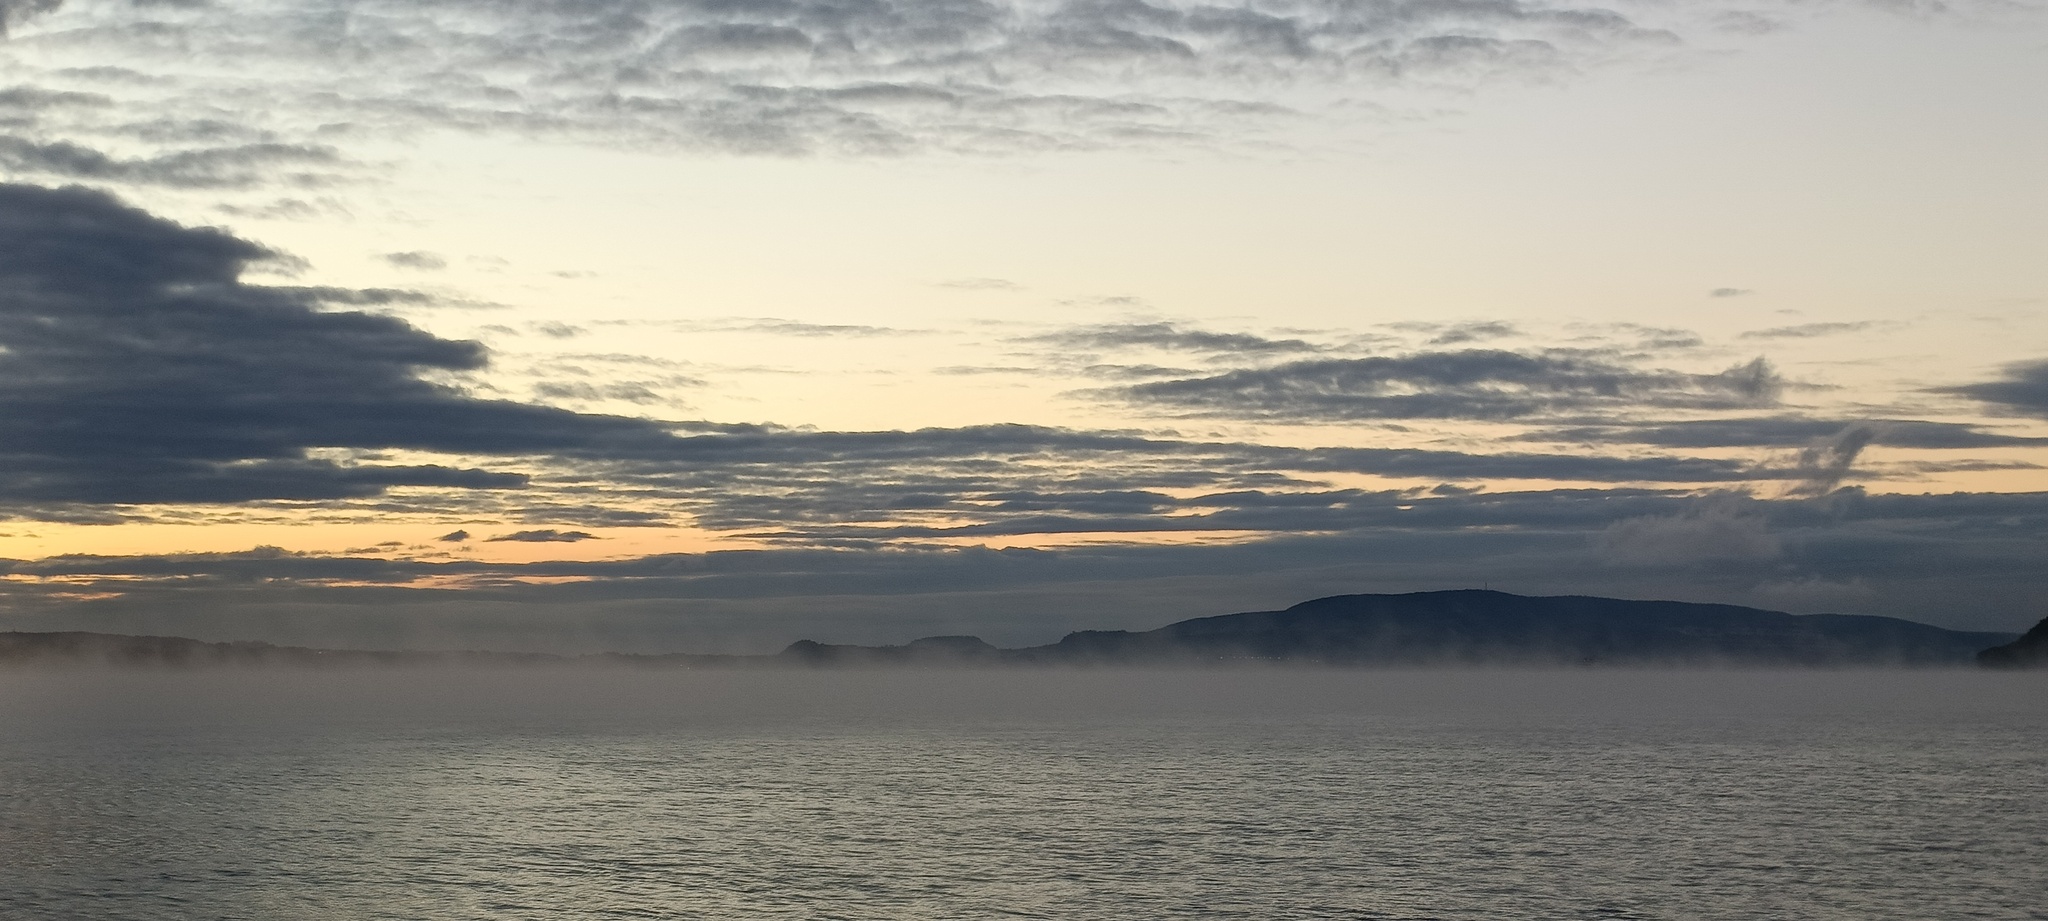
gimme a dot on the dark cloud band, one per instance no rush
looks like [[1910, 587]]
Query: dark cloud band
[[1484, 384], [2022, 389], [141, 369]]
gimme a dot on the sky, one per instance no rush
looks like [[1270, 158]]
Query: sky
[[708, 325]]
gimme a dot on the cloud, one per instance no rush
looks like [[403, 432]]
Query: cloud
[[15, 12], [285, 209], [1473, 332], [775, 326], [240, 166], [140, 369], [1788, 431], [423, 261], [1470, 384], [559, 330], [454, 537], [1130, 372], [1169, 337], [1746, 22], [1711, 532], [2022, 390], [848, 77], [827, 330], [981, 284], [1822, 466], [802, 486], [1730, 292], [32, 99], [143, 371], [1460, 333], [1643, 338], [544, 536], [623, 391], [1807, 330]]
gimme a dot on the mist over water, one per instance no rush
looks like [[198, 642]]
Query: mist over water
[[421, 794]]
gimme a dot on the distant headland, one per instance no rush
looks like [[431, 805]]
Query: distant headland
[[2029, 651], [1446, 628], [1469, 627]]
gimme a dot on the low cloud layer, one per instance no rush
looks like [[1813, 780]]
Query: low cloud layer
[[1714, 531], [1790, 431], [1481, 384], [1962, 560], [1170, 337], [2022, 389], [240, 166], [1808, 330], [544, 536]]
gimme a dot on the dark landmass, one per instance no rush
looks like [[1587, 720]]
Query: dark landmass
[[2029, 651], [932, 650], [1470, 628], [1420, 629]]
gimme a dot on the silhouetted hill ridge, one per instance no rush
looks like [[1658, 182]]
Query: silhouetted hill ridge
[[2029, 651], [930, 650], [1462, 627], [1484, 627]]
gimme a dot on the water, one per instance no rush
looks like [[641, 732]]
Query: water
[[1069, 795]]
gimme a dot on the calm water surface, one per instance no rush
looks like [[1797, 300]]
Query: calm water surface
[[1070, 795]]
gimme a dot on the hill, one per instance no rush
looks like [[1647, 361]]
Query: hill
[[2029, 651], [1424, 628], [1472, 627]]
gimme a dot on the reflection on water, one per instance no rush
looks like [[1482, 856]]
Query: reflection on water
[[1082, 795]]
